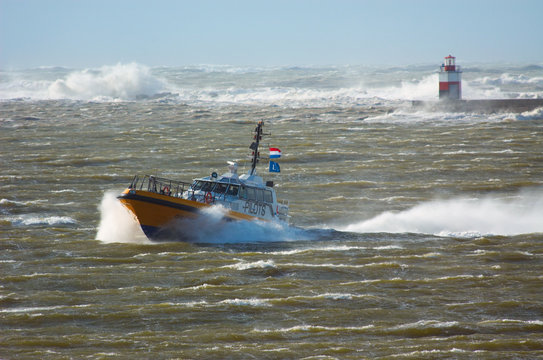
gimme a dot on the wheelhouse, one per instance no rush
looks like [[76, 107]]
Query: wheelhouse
[[216, 187], [231, 189]]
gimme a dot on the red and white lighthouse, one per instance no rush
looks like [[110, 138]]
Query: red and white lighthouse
[[450, 82]]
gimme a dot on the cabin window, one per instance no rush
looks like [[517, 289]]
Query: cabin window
[[243, 192], [220, 188], [259, 195], [208, 186], [268, 196], [233, 190], [251, 194], [197, 185]]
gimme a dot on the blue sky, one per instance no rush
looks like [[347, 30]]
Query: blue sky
[[93, 33]]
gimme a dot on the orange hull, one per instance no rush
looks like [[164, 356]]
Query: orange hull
[[155, 212]]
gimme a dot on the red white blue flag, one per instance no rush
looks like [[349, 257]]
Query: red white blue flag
[[275, 153]]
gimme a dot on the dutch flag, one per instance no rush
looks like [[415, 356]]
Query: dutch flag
[[275, 153]]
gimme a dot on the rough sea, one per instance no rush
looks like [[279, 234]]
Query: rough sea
[[413, 234]]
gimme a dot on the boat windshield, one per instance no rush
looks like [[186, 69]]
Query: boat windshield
[[202, 185], [233, 190], [197, 185], [216, 187], [220, 188], [207, 186]]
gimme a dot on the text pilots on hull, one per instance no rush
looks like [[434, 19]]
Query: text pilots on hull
[[157, 203]]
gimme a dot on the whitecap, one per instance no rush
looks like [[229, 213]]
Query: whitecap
[[261, 264], [30, 220], [120, 81], [246, 302]]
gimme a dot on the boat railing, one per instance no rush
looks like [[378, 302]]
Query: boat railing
[[159, 185], [283, 202], [282, 207]]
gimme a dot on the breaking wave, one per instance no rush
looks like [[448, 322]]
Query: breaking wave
[[423, 89], [463, 217], [118, 82], [509, 79], [35, 220], [288, 86]]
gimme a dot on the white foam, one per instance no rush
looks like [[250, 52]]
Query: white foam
[[33, 220], [107, 83], [536, 114], [509, 79], [331, 248], [314, 328], [463, 217], [121, 81], [211, 227], [116, 222], [22, 203], [407, 115], [423, 89], [423, 324], [118, 225], [225, 85], [246, 302], [261, 264]]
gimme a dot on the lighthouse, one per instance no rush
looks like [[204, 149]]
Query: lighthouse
[[450, 86]]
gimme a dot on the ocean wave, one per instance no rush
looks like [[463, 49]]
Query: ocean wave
[[245, 302], [33, 220], [261, 264], [123, 82], [536, 114], [7, 202], [118, 82], [315, 329], [385, 265], [331, 248], [226, 85], [509, 79]]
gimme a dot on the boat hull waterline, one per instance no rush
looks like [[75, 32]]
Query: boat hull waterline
[[156, 212]]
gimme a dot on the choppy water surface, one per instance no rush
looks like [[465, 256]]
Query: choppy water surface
[[413, 235]]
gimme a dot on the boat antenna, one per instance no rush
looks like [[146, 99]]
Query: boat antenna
[[254, 146]]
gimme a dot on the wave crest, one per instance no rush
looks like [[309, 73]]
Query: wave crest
[[117, 82]]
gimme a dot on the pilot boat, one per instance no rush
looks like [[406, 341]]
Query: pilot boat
[[158, 204]]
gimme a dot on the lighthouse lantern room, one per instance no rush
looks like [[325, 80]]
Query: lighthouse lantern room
[[450, 87]]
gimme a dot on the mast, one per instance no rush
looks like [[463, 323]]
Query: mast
[[254, 146]]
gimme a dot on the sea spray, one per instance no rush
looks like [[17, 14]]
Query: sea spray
[[212, 227], [463, 217], [118, 82], [293, 87], [413, 89], [116, 222], [118, 225]]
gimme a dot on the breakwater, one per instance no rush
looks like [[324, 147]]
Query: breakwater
[[481, 106]]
